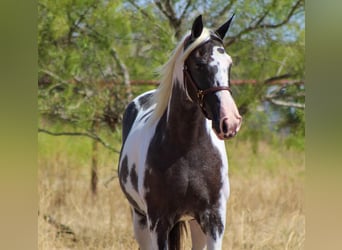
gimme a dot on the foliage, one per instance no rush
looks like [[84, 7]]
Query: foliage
[[90, 50], [72, 57]]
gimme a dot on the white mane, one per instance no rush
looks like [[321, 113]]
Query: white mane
[[167, 73]]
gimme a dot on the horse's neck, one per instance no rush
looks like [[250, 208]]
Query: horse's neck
[[185, 119]]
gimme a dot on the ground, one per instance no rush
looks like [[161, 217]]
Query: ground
[[265, 209]]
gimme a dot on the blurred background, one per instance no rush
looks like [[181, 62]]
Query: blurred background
[[95, 56]]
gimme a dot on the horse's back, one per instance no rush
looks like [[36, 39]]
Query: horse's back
[[140, 104]]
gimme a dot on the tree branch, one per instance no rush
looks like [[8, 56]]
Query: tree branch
[[75, 23], [287, 19], [285, 103], [147, 15], [260, 25], [62, 229], [276, 78], [185, 10], [53, 75], [262, 17], [223, 12], [170, 14], [161, 8], [90, 135], [113, 177], [170, 9], [124, 72], [140, 9]]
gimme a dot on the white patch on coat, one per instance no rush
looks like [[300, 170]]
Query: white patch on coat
[[136, 147], [222, 61], [221, 147]]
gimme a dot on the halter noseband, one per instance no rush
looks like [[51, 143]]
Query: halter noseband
[[201, 93]]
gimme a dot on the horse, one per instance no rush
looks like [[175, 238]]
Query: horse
[[173, 166]]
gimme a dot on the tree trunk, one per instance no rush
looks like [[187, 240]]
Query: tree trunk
[[94, 161]]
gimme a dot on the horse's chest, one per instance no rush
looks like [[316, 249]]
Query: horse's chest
[[188, 180]]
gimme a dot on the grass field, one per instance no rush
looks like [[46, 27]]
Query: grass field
[[265, 210]]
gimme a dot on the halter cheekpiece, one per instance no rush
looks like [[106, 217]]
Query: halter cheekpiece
[[201, 93]]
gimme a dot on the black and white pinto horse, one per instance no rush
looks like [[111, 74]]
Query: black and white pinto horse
[[173, 165]]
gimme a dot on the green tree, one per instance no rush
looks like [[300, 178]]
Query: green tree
[[90, 51]]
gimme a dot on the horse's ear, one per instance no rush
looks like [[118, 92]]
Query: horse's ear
[[224, 28], [197, 28]]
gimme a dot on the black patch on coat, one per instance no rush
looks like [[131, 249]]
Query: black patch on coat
[[146, 115], [123, 175], [185, 177], [134, 178], [131, 200], [144, 101], [142, 218], [124, 169], [220, 50], [131, 113], [128, 120], [211, 222]]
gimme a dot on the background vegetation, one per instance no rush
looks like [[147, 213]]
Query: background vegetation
[[93, 53]]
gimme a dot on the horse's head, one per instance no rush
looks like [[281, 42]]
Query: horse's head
[[206, 78]]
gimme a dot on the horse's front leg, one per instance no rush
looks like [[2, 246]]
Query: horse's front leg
[[213, 224], [141, 231], [215, 235], [215, 243], [159, 235]]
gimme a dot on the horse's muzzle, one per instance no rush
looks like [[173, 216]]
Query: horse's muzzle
[[228, 128]]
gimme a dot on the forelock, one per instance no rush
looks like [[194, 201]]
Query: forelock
[[205, 36]]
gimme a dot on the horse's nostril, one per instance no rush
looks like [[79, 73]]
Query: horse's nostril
[[224, 126]]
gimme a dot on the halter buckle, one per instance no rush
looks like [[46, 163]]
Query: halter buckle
[[200, 97]]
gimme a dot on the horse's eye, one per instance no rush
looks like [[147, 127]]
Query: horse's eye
[[200, 64]]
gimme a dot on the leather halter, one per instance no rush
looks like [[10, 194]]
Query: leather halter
[[201, 93]]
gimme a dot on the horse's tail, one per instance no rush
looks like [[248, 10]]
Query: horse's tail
[[176, 235]]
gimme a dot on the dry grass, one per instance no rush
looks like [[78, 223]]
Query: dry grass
[[265, 209]]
